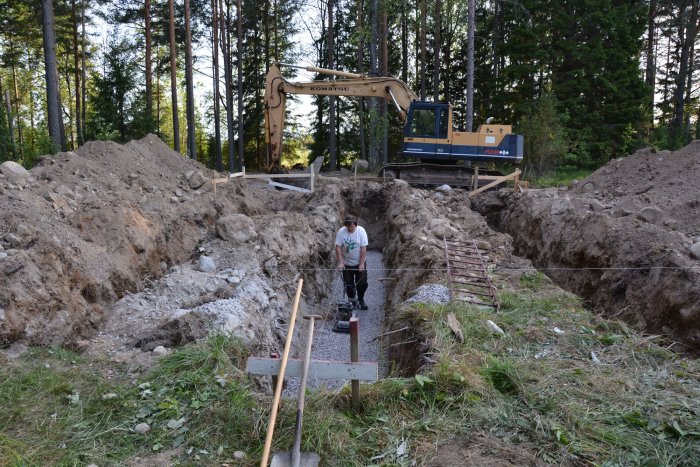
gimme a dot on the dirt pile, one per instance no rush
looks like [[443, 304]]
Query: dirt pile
[[84, 229], [622, 238]]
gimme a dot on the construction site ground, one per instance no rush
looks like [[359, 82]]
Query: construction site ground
[[131, 294]]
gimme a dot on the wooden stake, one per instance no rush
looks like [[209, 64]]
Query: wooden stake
[[355, 357]]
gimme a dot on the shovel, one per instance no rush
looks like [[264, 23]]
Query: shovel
[[296, 458]]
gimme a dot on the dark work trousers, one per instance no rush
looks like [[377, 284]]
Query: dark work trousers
[[355, 279]]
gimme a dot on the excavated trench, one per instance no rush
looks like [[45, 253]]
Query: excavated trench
[[623, 265]]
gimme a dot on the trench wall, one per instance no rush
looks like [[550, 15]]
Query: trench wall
[[626, 268]]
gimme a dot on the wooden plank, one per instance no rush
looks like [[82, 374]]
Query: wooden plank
[[269, 176], [320, 369], [289, 187], [496, 182]]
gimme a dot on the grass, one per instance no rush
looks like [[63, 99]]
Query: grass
[[63, 411], [537, 388], [638, 405], [561, 178]]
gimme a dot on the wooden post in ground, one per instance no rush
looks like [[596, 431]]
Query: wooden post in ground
[[475, 178], [355, 357], [311, 174], [276, 356]]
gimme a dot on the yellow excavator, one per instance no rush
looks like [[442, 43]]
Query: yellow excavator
[[428, 134]]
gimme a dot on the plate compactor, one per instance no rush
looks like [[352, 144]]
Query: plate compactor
[[346, 310]]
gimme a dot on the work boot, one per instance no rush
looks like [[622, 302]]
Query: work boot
[[363, 305]]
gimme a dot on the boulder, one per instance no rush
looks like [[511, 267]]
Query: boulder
[[620, 212], [440, 228], [197, 180], [206, 264], [483, 245], [13, 171], [596, 206], [560, 206], [236, 228], [445, 189], [650, 214], [142, 428], [695, 251]]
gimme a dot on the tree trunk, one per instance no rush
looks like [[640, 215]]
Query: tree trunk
[[275, 22], [239, 77], [331, 99], [679, 91], [447, 59], [361, 70], [384, 71], [70, 113], [228, 81], [53, 97], [173, 78], [191, 141], [496, 39], [692, 34], [17, 101], [404, 46], [76, 75], [470, 65], [373, 71], [10, 123], [650, 73], [32, 67], [215, 84], [83, 69], [149, 66], [259, 146], [423, 27], [436, 52], [158, 93]]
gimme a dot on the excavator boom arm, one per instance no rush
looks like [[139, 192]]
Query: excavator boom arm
[[277, 88]]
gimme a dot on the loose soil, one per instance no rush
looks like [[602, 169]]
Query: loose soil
[[621, 238]]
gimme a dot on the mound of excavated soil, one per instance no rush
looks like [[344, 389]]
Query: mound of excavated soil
[[84, 229], [622, 238], [650, 179]]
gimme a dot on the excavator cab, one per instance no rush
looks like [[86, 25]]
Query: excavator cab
[[427, 130], [429, 137]]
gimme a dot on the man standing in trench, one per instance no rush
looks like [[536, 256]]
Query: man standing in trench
[[351, 251]]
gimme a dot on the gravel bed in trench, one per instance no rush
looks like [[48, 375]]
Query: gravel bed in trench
[[329, 345]]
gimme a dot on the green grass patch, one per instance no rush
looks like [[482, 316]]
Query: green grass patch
[[578, 388], [561, 178]]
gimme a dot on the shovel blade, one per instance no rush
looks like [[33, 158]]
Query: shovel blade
[[284, 459]]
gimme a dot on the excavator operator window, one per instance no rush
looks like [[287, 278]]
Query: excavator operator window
[[423, 123]]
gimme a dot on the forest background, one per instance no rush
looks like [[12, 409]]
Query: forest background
[[584, 81]]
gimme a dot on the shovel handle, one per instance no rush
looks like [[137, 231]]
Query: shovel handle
[[296, 450], [280, 378]]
